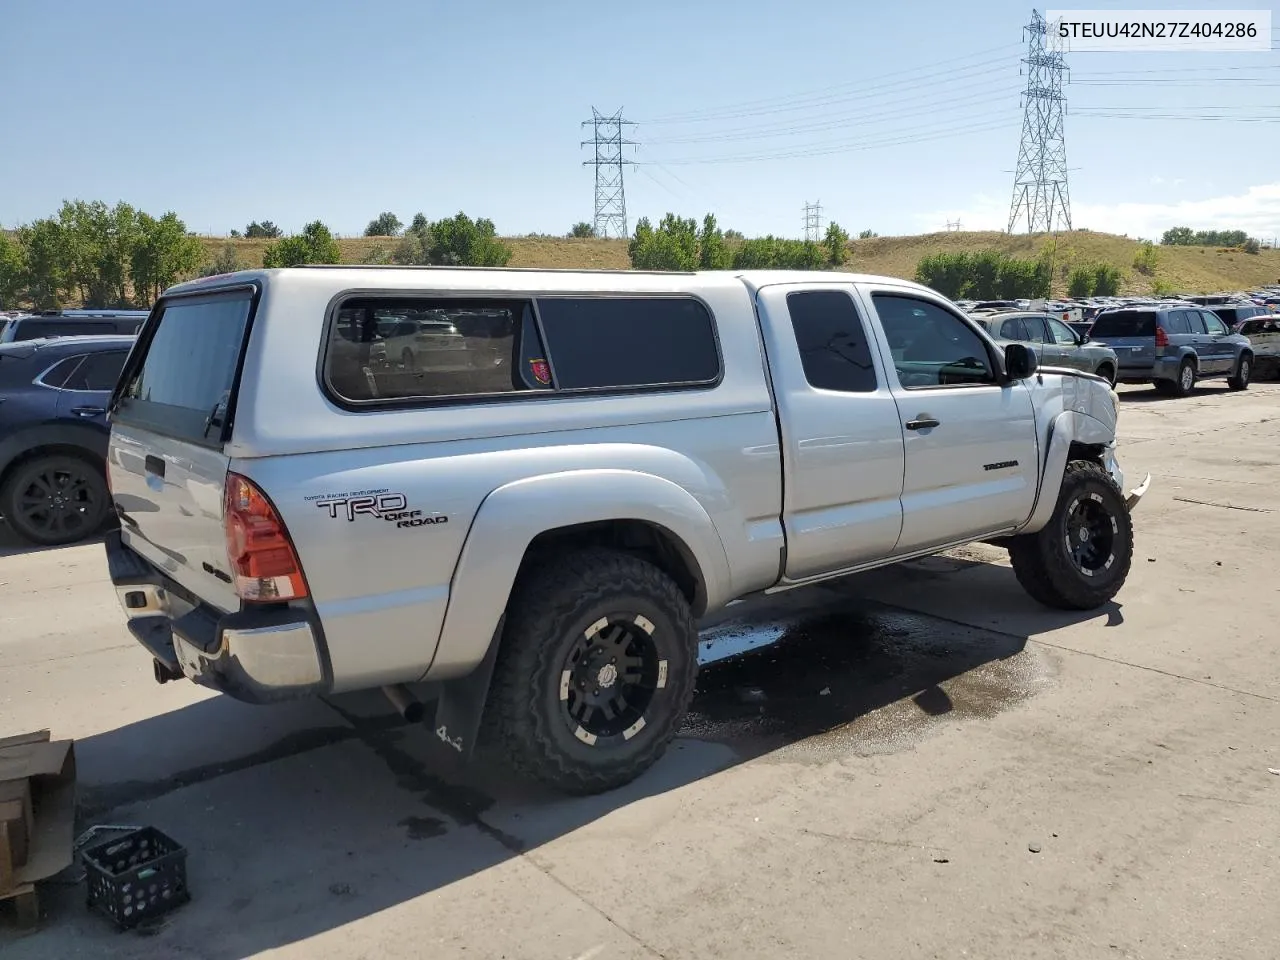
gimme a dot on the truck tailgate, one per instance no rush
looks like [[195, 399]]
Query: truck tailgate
[[169, 418], [169, 497]]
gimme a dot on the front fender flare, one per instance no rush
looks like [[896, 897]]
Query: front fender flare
[[510, 518], [1068, 427]]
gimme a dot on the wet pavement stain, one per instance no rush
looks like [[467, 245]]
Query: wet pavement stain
[[423, 828], [852, 676]]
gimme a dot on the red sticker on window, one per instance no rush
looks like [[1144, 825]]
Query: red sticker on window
[[541, 370]]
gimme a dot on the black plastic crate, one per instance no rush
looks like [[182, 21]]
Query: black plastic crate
[[136, 877]]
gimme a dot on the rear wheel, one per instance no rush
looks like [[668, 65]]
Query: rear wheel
[[1107, 373], [54, 500], [1243, 372], [595, 672], [1186, 381], [1081, 557]]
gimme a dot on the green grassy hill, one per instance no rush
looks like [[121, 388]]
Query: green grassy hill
[[1184, 269]]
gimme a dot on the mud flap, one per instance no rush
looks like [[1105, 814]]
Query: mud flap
[[460, 708]]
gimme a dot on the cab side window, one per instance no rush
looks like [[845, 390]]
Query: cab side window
[[833, 344], [932, 347]]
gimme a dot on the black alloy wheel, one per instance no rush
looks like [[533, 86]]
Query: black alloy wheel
[[609, 678], [1090, 535], [55, 500]]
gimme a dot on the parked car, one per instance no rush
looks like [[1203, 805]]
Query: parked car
[[53, 435], [422, 336], [45, 326], [1236, 313], [1055, 343], [541, 536], [1264, 337], [1173, 348]]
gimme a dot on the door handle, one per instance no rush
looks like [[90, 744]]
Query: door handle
[[88, 411], [155, 466], [922, 423]]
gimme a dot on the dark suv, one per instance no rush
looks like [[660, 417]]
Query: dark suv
[[53, 434], [75, 324], [1235, 314], [1173, 347]]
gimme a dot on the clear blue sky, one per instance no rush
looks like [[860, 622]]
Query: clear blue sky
[[290, 110]]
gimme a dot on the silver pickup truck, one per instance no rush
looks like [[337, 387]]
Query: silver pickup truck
[[532, 522]]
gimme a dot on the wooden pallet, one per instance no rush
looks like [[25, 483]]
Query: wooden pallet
[[26, 904]]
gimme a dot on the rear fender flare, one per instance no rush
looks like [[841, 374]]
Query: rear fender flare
[[511, 517], [1067, 428]]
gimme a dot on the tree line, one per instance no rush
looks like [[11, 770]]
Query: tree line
[[678, 243], [101, 256], [986, 275], [1186, 237], [992, 275]]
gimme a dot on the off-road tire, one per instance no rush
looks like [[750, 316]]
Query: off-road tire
[[1243, 374], [1184, 386], [1042, 561], [90, 513], [554, 605]]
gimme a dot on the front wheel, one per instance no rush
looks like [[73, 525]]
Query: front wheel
[[595, 671], [1081, 557], [1243, 372]]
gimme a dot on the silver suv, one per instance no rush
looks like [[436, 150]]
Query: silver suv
[[536, 530]]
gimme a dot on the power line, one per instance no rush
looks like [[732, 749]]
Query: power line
[[813, 221], [852, 146], [1174, 116], [1040, 184], [987, 94], [610, 199], [914, 73]]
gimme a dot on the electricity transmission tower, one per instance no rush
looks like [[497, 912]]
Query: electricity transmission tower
[[813, 221], [1040, 195], [611, 199]]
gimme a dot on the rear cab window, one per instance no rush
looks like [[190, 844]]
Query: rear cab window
[[398, 349], [180, 382]]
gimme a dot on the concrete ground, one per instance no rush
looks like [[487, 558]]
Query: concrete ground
[[925, 764]]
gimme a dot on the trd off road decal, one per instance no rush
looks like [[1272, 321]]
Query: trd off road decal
[[391, 507]]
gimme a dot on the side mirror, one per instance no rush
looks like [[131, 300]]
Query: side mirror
[[1019, 361], [1084, 338]]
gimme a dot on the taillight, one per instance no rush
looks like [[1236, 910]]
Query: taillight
[[1162, 338], [263, 562]]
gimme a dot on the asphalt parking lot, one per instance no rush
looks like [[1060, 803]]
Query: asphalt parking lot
[[924, 763]]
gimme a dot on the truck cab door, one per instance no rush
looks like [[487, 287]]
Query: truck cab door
[[972, 454], [842, 443]]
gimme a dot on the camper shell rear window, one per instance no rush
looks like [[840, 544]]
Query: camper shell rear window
[[395, 349]]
